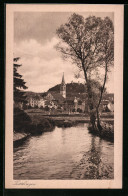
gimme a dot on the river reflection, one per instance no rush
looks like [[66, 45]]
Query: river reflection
[[64, 153]]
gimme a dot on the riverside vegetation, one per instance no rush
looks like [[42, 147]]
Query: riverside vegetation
[[30, 124]]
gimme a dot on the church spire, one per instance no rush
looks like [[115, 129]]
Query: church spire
[[63, 87], [63, 81]]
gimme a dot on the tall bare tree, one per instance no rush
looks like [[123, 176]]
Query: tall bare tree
[[89, 43]]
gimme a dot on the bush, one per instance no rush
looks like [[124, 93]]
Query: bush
[[79, 110], [21, 120], [29, 107], [46, 108], [43, 126]]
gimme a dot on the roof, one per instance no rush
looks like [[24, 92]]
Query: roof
[[57, 96], [104, 102], [108, 96], [47, 103], [81, 96], [69, 102]]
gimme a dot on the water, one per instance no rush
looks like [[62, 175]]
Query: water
[[64, 153]]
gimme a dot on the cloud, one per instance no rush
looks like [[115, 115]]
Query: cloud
[[42, 66], [31, 48], [41, 26]]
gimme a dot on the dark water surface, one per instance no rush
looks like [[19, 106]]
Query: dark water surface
[[64, 153]]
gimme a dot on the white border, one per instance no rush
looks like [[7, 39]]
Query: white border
[[118, 97]]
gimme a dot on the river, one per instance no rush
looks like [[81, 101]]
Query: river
[[64, 153]]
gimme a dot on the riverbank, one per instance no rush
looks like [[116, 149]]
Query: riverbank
[[72, 120], [107, 131], [37, 117], [37, 123], [19, 138], [24, 124]]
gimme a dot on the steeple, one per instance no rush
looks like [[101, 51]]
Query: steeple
[[63, 87], [63, 81]]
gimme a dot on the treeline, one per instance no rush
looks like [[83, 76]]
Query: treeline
[[70, 88]]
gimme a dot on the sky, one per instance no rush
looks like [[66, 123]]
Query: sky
[[34, 42]]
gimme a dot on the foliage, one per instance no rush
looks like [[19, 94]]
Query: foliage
[[79, 110], [18, 83], [21, 120], [46, 108], [73, 110], [70, 87], [89, 43]]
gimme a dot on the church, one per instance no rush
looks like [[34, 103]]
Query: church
[[63, 87], [70, 103], [60, 100]]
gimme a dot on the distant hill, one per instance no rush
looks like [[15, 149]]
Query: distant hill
[[32, 94], [70, 88]]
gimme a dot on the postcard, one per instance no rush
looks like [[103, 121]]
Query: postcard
[[64, 96]]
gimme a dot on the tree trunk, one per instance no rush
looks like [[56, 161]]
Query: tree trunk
[[99, 127], [92, 113], [93, 121]]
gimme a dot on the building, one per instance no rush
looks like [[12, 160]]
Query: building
[[41, 103], [35, 101], [74, 100], [107, 103], [111, 105], [63, 87], [54, 100], [75, 104]]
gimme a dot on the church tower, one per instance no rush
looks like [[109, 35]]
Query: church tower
[[63, 87]]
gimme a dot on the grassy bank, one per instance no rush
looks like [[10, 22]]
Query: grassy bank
[[19, 138], [78, 118], [72, 120], [65, 114], [107, 131], [36, 123], [23, 123]]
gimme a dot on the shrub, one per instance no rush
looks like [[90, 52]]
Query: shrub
[[46, 108], [79, 110], [21, 120], [73, 110]]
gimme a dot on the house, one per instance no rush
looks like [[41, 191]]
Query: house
[[111, 106], [107, 103], [79, 105], [35, 101], [41, 103], [55, 98], [68, 105], [104, 104]]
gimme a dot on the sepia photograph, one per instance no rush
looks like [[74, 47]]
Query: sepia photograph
[[64, 96]]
